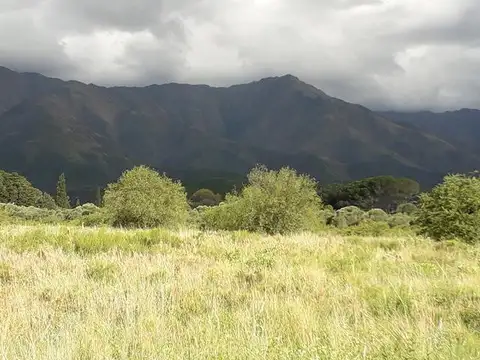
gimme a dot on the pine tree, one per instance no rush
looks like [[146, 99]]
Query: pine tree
[[98, 197], [3, 190], [61, 197], [77, 203]]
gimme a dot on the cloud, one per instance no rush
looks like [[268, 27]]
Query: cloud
[[399, 54]]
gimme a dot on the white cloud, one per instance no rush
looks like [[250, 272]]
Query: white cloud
[[404, 54]]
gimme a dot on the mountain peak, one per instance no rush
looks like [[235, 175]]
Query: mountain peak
[[294, 83]]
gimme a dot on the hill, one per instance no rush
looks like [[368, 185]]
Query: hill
[[92, 133]]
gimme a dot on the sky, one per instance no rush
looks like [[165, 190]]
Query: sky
[[384, 54]]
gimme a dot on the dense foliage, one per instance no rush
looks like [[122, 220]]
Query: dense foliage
[[35, 214], [16, 189], [383, 192], [205, 197], [144, 198], [452, 209], [272, 202]]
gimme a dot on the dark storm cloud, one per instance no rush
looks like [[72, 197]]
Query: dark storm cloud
[[402, 54]]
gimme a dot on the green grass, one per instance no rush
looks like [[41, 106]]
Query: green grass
[[74, 293]]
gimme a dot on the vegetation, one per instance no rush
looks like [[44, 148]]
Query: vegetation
[[349, 216], [377, 215], [98, 197], [204, 197], [52, 216], [61, 197], [407, 208], [272, 202], [73, 293], [383, 192], [334, 284], [144, 198], [452, 209], [16, 189]]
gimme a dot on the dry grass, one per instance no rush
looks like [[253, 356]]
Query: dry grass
[[72, 293]]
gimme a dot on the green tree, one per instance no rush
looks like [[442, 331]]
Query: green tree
[[3, 190], [61, 197], [272, 202], [98, 197], [204, 197], [77, 203], [16, 189], [452, 209], [45, 201], [383, 192], [144, 198]]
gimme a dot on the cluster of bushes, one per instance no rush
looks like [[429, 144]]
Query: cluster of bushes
[[384, 192], [272, 202], [35, 214]]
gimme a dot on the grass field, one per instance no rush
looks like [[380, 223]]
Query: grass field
[[73, 293]]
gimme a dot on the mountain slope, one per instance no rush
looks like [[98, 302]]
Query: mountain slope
[[460, 128], [48, 126]]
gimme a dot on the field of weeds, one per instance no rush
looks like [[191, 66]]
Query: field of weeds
[[78, 293]]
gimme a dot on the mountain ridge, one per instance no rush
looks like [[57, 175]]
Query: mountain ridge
[[93, 133]]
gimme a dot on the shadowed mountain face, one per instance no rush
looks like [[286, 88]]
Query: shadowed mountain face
[[206, 135], [460, 128]]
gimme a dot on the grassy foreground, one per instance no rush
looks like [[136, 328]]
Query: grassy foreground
[[73, 293]]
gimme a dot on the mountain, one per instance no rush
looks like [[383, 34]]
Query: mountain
[[460, 128], [206, 136]]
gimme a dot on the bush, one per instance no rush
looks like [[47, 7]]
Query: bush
[[350, 216], [45, 201], [407, 208], [204, 197], [272, 202], [377, 215], [30, 213], [399, 220], [340, 221], [368, 228], [144, 198], [452, 210], [328, 216]]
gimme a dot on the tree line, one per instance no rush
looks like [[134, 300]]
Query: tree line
[[273, 202]]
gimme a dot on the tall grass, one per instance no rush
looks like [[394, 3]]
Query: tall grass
[[73, 293]]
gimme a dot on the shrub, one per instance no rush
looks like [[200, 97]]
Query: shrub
[[31, 213], [328, 215], [272, 202], [45, 201], [377, 215], [399, 220], [204, 197], [144, 198], [352, 215], [407, 208], [452, 210], [368, 228]]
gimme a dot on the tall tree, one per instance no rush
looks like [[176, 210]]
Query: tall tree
[[98, 197], [61, 197]]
